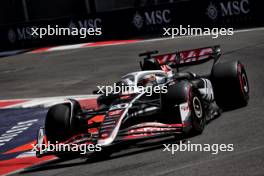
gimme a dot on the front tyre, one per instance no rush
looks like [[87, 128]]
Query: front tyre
[[61, 123], [180, 93], [198, 117]]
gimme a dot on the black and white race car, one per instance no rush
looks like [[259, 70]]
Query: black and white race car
[[185, 106]]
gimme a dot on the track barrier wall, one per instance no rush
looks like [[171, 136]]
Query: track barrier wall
[[139, 22]]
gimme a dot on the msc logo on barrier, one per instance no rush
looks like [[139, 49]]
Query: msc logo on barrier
[[229, 8], [86, 23], [138, 20], [19, 34], [11, 36], [212, 11], [151, 18]]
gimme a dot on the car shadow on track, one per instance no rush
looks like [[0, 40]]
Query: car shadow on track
[[141, 148]]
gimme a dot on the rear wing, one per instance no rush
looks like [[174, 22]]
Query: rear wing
[[180, 58]]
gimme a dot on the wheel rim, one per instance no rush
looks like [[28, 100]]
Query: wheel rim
[[244, 83], [197, 107]]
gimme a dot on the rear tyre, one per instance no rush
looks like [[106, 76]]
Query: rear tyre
[[231, 86]]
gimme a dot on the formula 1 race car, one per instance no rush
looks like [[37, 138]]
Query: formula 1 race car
[[185, 106]]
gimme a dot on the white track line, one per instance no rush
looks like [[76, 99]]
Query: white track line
[[44, 101], [86, 45], [66, 96], [191, 36], [67, 47], [8, 53]]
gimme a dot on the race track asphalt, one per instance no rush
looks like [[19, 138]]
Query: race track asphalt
[[79, 71]]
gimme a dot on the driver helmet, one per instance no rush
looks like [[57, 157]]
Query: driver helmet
[[148, 80]]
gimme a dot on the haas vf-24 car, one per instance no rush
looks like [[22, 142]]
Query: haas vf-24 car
[[190, 101]]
